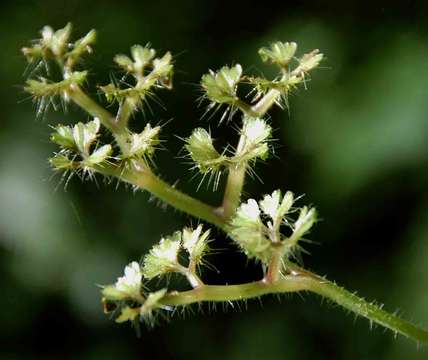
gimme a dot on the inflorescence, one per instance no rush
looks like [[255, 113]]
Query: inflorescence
[[270, 230]]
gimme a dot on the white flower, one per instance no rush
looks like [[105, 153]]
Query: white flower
[[195, 242], [249, 210], [167, 250], [270, 204], [131, 281], [256, 130]]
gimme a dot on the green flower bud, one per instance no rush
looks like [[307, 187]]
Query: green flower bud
[[274, 207], [195, 242], [63, 136], [221, 86], [124, 62], [80, 47], [201, 150], [162, 258], [33, 53], [162, 67], [142, 144], [279, 53], [58, 42], [98, 156], [127, 286], [308, 62], [256, 132], [306, 219], [43, 88], [249, 232], [152, 303], [85, 134], [62, 162], [142, 57], [286, 204], [128, 314]]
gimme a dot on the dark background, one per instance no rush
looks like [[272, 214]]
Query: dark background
[[355, 143]]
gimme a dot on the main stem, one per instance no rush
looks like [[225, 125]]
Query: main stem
[[236, 175], [140, 175], [295, 281]]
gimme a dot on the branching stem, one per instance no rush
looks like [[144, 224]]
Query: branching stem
[[296, 281], [143, 178], [234, 186]]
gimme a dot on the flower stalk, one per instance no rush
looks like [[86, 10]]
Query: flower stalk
[[296, 281], [254, 226]]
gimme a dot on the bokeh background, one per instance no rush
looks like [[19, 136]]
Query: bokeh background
[[355, 143]]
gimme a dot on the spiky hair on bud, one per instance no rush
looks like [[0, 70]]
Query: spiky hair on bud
[[259, 237], [163, 258], [148, 73], [204, 156], [56, 45], [283, 55], [141, 145], [195, 241], [46, 93], [130, 299], [220, 88], [255, 134], [127, 287], [279, 53], [78, 150]]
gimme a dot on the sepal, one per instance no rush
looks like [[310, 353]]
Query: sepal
[[201, 149], [279, 53], [221, 86]]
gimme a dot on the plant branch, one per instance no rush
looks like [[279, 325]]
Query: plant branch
[[234, 186], [79, 97], [142, 177], [266, 102], [296, 281]]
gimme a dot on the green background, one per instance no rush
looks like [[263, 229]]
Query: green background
[[355, 143]]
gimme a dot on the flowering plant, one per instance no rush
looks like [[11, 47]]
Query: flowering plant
[[270, 231]]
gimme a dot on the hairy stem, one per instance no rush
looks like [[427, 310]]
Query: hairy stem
[[274, 267], [298, 280], [142, 177], [126, 109], [79, 97], [234, 186]]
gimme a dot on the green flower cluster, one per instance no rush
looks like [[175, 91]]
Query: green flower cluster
[[256, 226]]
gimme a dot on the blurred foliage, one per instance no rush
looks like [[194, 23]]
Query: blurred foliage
[[355, 143]]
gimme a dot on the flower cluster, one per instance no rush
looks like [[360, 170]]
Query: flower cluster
[[127, 294], [76, 147], [130, 296], [149, 72], [163, 258], [256, 226]]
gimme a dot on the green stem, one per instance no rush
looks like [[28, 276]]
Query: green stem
[[298, 280], [266, 102], [370, 311], [274, 267], [236, 176], [94, 109], [126, 109], [141, 177], [234, 186]]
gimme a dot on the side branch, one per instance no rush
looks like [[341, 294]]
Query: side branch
[[144, 179], [298, 280], [78, 96]]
